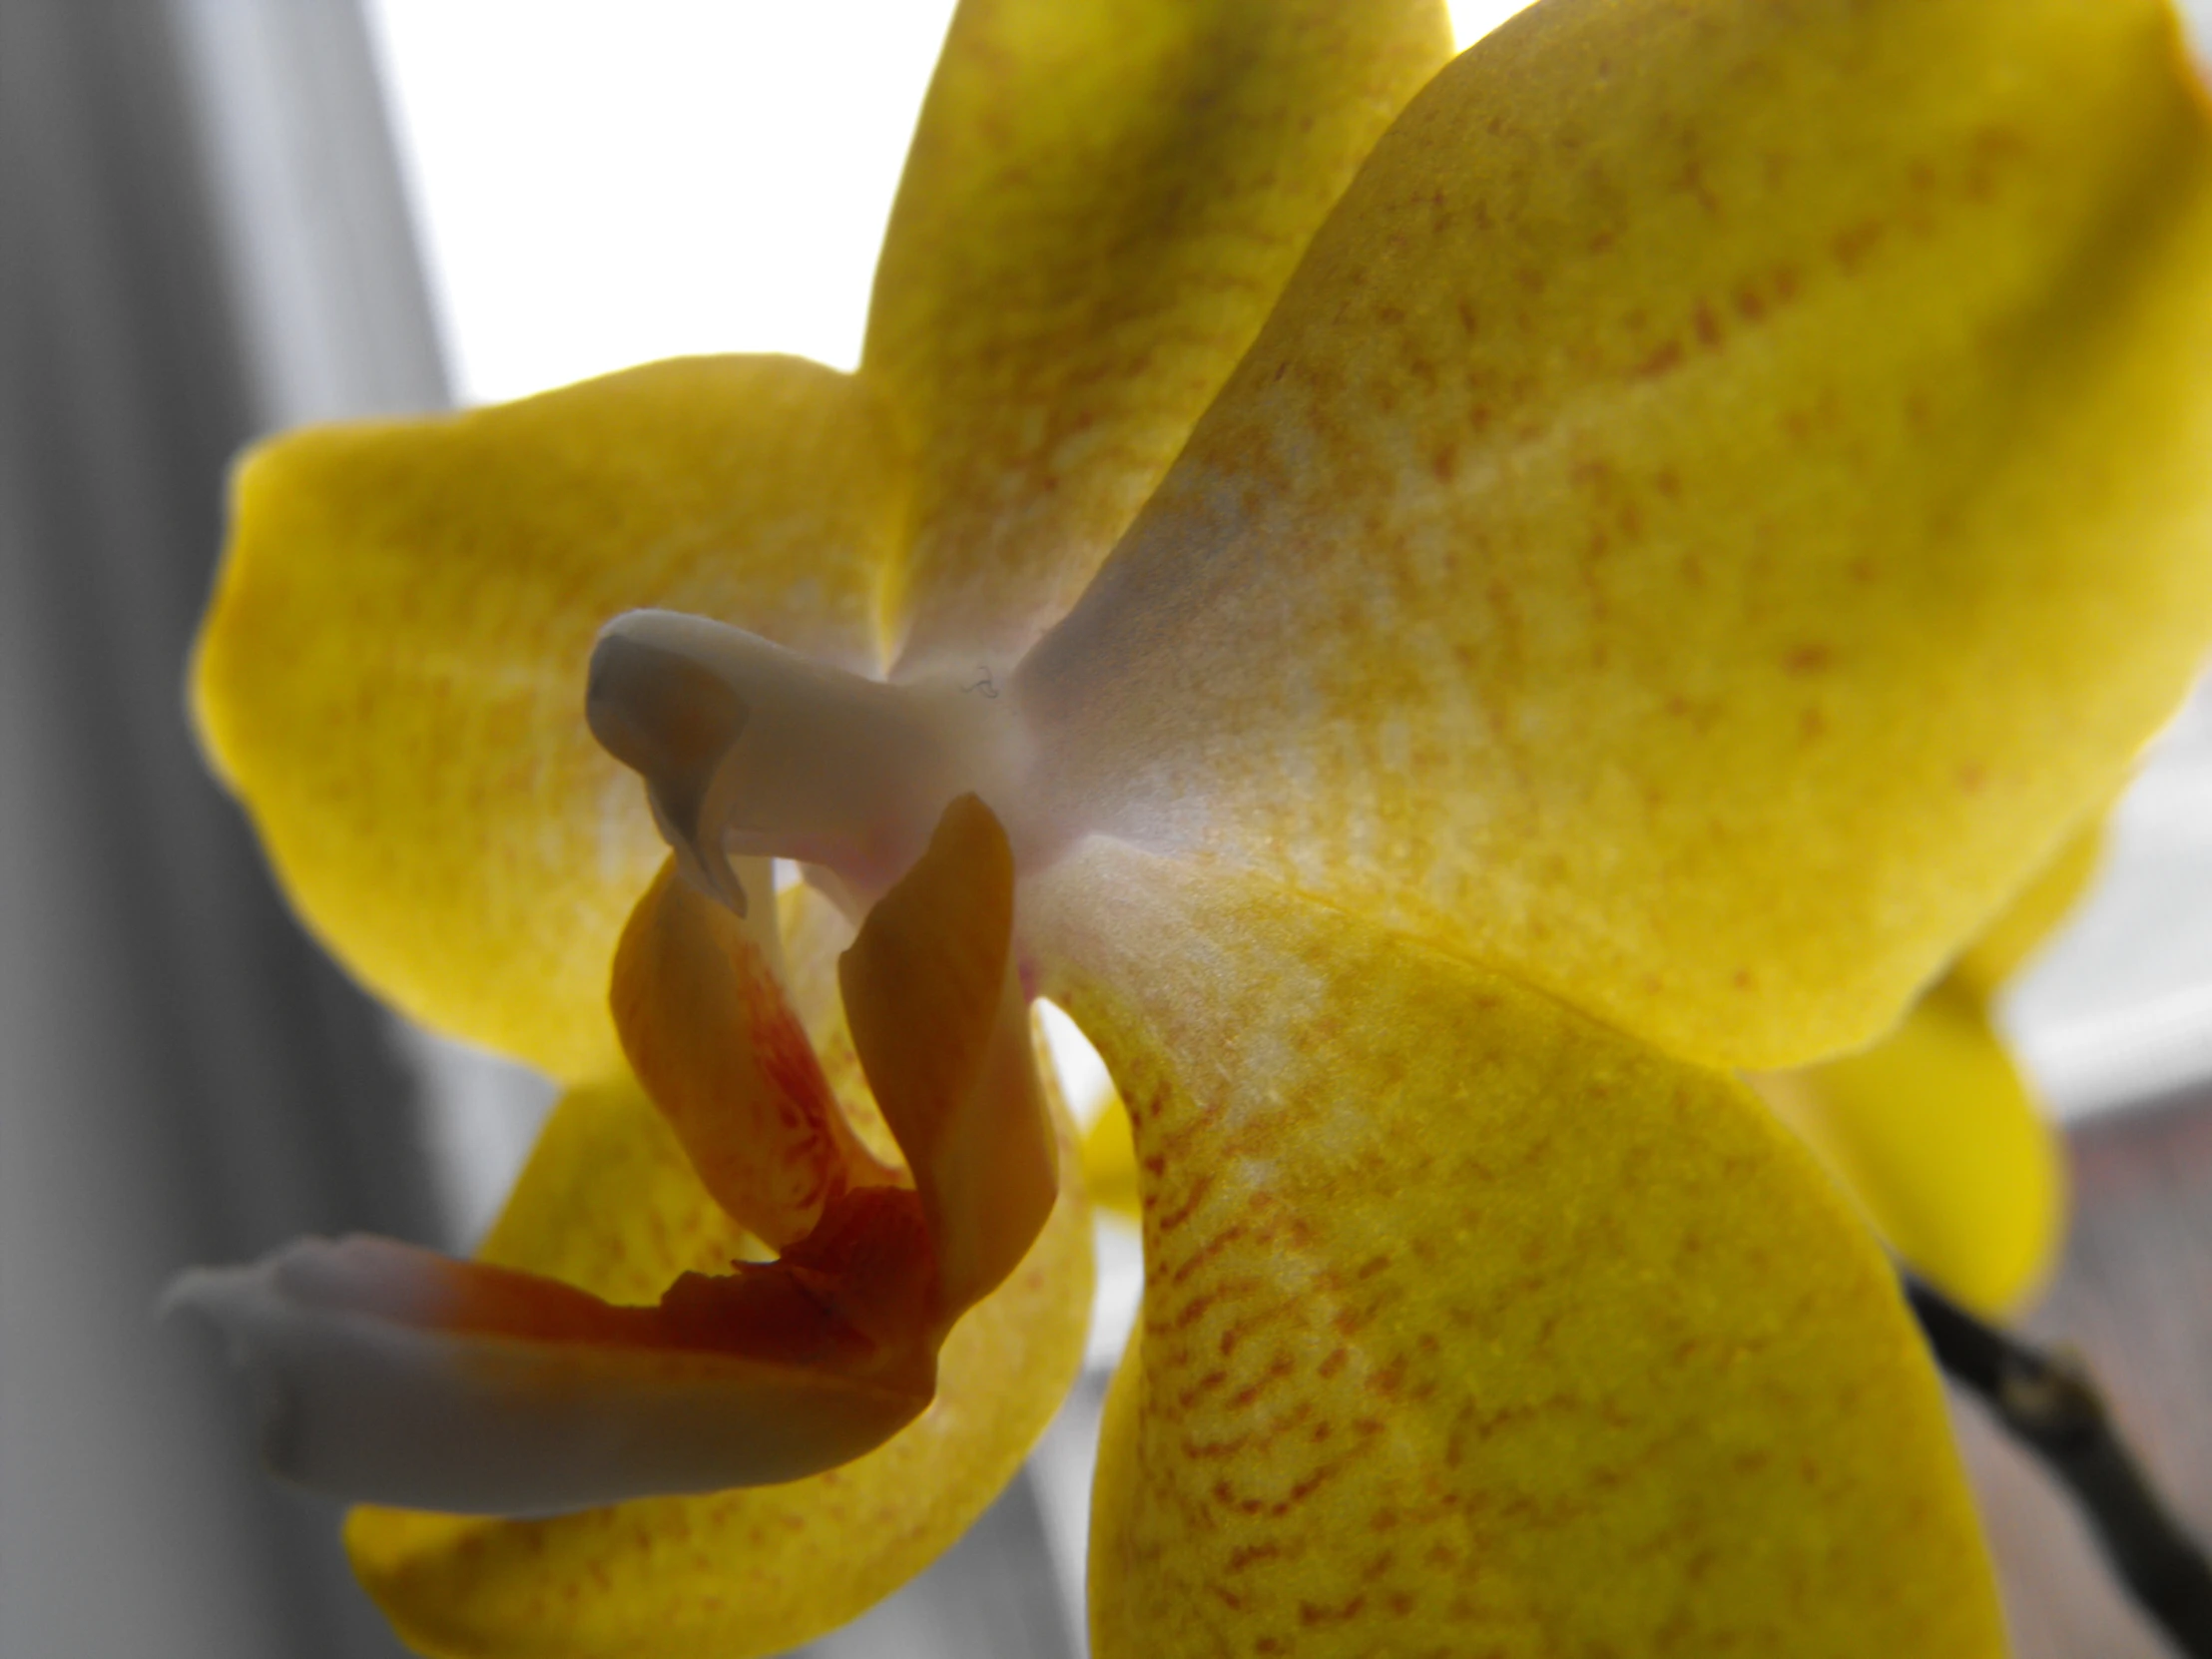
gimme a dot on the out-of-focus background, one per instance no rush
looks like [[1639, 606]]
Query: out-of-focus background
[[223, 217]]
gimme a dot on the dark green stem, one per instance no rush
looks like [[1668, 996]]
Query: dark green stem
[[2050, 1405]]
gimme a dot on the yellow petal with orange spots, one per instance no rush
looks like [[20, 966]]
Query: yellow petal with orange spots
[[391, 675], [611, 1205], [1103, 199], [1473, 1326], [1935, 1133], [1723, 496]]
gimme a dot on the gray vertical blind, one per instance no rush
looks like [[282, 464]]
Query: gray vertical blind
[[183, 1076]]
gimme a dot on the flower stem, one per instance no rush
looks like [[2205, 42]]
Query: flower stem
[[2048, 1403]]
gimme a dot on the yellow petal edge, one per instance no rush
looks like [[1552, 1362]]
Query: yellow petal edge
[[392, 673]]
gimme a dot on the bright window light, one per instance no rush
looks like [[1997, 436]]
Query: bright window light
[[603, 185], [1472, 19]]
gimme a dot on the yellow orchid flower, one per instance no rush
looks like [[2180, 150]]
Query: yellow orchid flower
[[1438, 614]]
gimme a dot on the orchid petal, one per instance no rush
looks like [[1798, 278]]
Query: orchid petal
[[1473, 1326], [1934, 1133], [1103, 199], [420, 772], [2035, 913], [611, 1205], [1722, 497], [1110, 1161]]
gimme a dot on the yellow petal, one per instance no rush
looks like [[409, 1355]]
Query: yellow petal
[[1935, 1133], [2029, 921], [392, 672], [1103, 199], [1472, 1326], [1110, 1161], [1723, 496], [610, 1203]]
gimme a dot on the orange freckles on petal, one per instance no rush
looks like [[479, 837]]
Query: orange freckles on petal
[[706, 1027]]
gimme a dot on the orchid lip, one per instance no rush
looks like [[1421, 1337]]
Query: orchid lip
[[390, 1373], [749, 750]]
